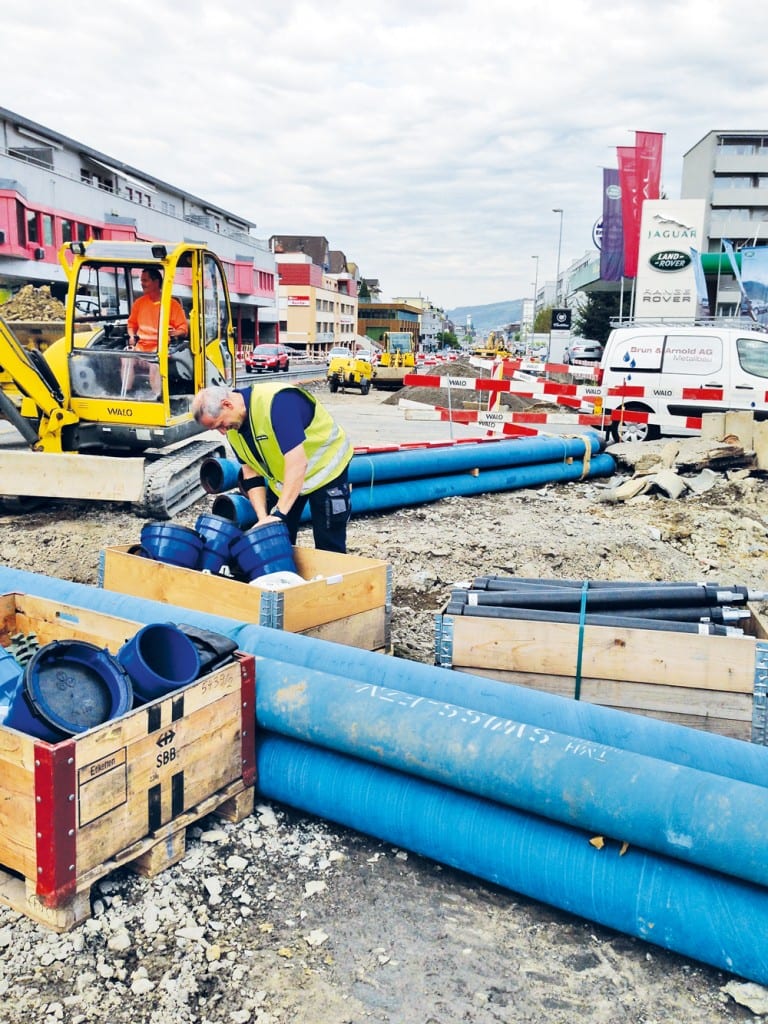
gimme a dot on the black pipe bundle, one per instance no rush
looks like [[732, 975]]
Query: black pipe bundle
[[688, 607]]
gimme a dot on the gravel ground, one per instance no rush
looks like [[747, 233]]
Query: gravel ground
[[284, 918]]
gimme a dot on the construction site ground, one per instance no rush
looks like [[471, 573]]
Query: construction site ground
[[283, 918]]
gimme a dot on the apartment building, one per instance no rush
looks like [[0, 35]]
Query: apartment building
[[729, 170], [318, 294], [54, 189]]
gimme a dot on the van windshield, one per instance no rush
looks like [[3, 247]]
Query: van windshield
[[753, 356]]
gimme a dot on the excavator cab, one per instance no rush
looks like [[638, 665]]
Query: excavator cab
[[121, 398]]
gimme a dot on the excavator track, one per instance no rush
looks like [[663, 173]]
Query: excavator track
[[172, 481]]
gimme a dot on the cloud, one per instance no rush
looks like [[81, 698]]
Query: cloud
[[428, 140]]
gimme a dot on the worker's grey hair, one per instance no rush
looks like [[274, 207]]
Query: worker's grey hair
[[207, 401]]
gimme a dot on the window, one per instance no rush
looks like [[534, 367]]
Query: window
[[47, 229], [41, 155], [33, 226], [66, 231], [753, 356]]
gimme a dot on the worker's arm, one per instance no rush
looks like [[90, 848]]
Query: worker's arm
[[295, 471], [255, 489], [177, 325]]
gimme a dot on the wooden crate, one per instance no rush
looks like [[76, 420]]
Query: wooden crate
[[350, 603], [124, 792], [713, 683]]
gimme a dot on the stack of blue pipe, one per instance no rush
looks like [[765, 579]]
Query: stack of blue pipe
[[652, 829], [383, 480]]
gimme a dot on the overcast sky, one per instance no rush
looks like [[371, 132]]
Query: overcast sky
[[429, 140]]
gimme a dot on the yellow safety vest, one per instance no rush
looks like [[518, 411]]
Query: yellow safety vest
[[326, 445]]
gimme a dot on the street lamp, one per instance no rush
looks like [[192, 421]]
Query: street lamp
[[559, 247], [535, 295]]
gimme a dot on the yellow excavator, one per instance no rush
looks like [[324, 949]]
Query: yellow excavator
[[494, 347], [91, 424], [397, 359]]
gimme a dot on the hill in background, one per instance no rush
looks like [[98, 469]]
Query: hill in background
[[486, 318]]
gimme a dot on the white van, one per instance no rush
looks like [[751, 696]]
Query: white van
[[670, 376]]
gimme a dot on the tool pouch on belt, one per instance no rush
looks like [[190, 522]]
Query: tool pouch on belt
[[337, 506]]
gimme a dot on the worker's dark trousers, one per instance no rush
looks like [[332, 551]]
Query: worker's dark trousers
[[330, 510]]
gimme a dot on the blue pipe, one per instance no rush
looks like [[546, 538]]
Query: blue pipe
[[721, 755], [694, 816], [704, 915], [403, 493], [219, 475]]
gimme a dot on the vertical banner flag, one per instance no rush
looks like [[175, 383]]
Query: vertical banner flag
[[648, 146], [701, 283], [630, 206], [754, 277], [612, 247]]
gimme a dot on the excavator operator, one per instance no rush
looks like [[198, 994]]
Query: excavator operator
[[144, 329]]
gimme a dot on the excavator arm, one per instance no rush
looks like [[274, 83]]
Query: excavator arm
[[32, 377]]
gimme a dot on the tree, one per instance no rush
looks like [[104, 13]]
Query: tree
[[593, 318], [447, 339]]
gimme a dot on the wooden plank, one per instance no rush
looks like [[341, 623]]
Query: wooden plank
[[634, 696], [677, 659], [87, 477], [50, 620], [350, 584], [17, 802], [369, 631]]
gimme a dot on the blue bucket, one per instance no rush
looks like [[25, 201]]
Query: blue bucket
[[263, 550], [177, 545], [217, 534], [235, 507], [159, 658], [69, 686]]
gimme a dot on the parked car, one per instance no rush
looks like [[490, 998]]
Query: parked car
[[336, 351], [268, 357], [583, 350]]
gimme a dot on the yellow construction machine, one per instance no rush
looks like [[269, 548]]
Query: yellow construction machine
[[494, 347], [349, 372], [396, 360], [87, 434]]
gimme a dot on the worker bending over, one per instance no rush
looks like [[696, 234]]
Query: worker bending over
[[144, 329], [292, 452]]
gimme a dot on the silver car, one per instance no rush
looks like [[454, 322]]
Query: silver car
[[583, 350]]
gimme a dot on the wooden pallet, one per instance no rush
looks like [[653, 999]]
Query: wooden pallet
[[148, 857], [125, 791]]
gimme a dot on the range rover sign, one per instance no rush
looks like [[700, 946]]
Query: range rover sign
[[670, 260]]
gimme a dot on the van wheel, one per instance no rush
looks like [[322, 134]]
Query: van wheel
[[629, 431]]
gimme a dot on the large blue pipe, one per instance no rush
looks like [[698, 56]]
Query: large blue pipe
[[704, 915], [745, 762], [694, 816], [404, 493], [434, 460], [405, 464]]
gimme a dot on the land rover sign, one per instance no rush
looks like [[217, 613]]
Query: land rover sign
[[670, 260]]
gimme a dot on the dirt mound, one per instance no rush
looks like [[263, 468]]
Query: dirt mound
[[31, 303]]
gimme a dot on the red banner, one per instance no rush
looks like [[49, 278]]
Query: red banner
[[630, 206], [648, 146]]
